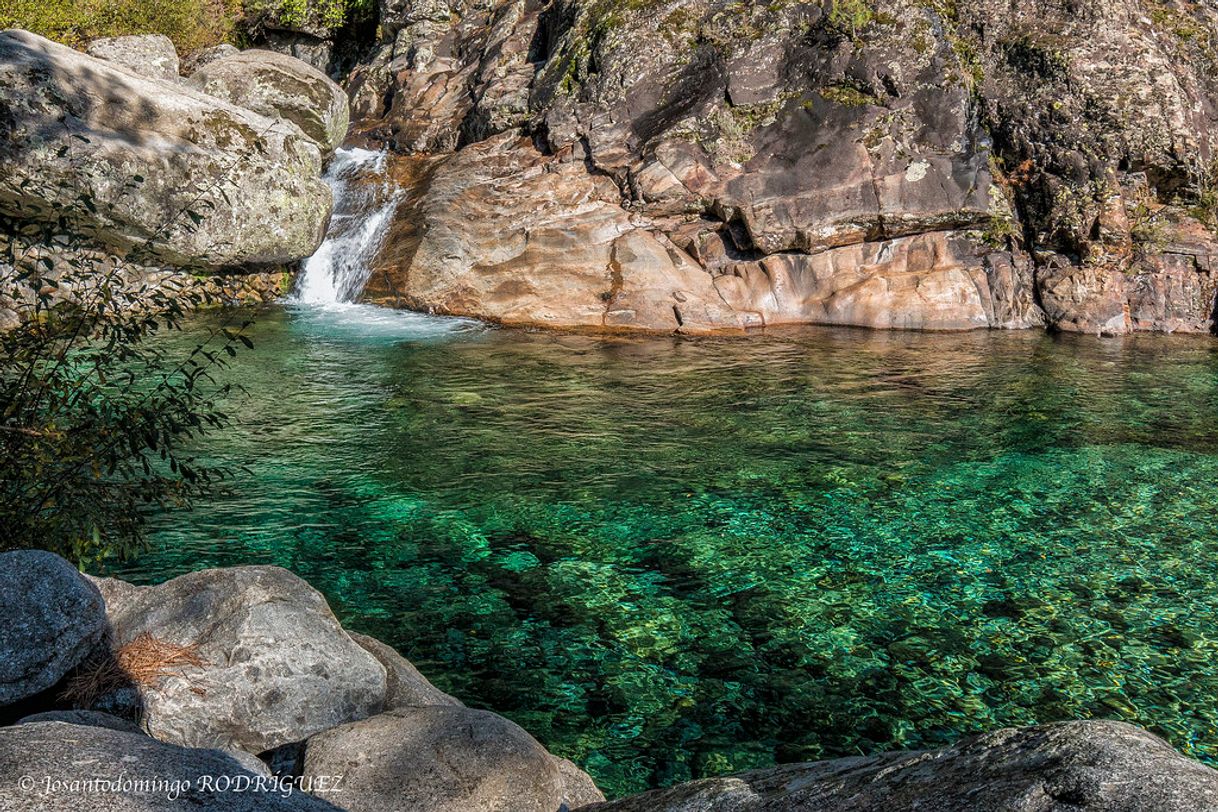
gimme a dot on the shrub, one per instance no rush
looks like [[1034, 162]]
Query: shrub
[[92, 411], [191, 24]]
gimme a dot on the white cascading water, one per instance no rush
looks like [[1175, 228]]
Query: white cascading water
[[365, 199]]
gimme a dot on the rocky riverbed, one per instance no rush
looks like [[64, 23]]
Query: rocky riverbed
[[238, 689]]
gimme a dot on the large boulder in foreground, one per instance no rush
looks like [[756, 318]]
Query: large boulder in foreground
[[151, 55], [1076, 766], [51, 618], [275, 84], [277, 666], [139, 162], [148, 776], [436, 759]]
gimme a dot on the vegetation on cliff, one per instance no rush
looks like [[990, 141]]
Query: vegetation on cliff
[[190, 24]]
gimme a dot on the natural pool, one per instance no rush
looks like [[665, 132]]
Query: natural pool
[[671, 558]]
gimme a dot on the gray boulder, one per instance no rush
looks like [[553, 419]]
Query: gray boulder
[[84, 718], [436, 759], [44, 767], [278, 667], [185, 177], [282, 86], [151, 55], [405, 687], [51, 618], [1065, 767]]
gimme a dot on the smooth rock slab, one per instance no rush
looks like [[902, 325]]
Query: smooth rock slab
[[436, 759], [151, 55], [278, 666], [1095, 766], [282, 86], [60, 753], [51, 618]]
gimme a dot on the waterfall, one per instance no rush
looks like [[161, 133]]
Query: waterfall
[[364, 201]]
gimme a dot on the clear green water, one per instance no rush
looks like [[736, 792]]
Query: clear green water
[[670, 558]]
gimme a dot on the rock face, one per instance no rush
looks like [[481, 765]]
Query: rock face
[[143, 163], [149, 775], [151, 55], [436, 759], [886, 164], [277, 665], [281, 86], [1051, 768], [51, 618]]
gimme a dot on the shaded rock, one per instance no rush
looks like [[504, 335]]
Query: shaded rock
[[206, 56], [84, 718], [436, 759], [150, 775], [1096, 765], [278, 85], [405, 687], [151, 55], [51, 618], [154, 149], [277, 665], [578, 788], [314, 52]]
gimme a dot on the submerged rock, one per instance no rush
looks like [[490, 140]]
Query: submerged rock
[[276, 665], [51, 618], [436, 759], [49, 767], [1102, 766], [282, 86], [151, 55], [148, 164]]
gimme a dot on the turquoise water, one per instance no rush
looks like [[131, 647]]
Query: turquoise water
[[669, 558]]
